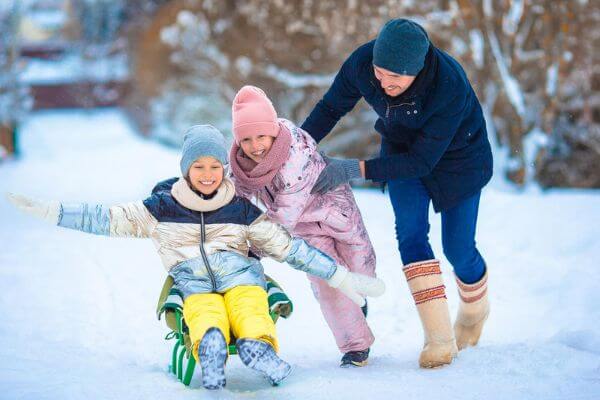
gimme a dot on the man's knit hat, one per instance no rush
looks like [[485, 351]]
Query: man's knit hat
[[401, 47], [201, 141], [253, 113]]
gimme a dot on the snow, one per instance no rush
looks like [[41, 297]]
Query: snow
[[552, 80], [48, 18], [533, 143], [511, 85], [78, 310], [477, 47], [75, 68], [510, 23], [296, 80]]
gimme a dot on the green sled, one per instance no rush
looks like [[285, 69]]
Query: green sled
[[170, 303]]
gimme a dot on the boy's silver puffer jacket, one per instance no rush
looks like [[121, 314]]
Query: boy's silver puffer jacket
[[204, 251]]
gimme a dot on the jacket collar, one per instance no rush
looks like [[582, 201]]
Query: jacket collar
[[185, 196]]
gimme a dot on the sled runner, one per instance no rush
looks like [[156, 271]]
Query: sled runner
[[170, 303]]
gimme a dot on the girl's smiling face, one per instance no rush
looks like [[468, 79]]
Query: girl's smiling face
[[257, 146], [206, 175]]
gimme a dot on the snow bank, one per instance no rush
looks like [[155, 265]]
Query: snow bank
[[78, 310]]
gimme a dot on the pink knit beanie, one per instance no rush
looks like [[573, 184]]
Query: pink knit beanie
[[253, 113]]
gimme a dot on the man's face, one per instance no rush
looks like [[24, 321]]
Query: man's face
[[392, 83]]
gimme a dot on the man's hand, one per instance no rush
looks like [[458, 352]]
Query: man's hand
[[336, 172]]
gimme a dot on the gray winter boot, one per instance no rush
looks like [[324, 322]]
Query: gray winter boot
[[212, 353], [261, 357]]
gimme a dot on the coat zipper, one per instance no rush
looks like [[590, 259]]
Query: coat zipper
[[211, 274]]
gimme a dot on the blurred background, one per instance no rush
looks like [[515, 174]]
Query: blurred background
[[172, 63], [95, 96]]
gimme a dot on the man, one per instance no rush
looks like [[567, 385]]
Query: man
[[434, 148]]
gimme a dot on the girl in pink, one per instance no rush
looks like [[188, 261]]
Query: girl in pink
[[277, 163]]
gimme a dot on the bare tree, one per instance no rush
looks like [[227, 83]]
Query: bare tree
[[532, 50], [531, 62]]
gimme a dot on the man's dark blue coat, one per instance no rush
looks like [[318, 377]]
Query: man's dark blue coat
[[434, 131]]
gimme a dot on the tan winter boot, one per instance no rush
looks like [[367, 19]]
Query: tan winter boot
[[473, 310], [427, 287]]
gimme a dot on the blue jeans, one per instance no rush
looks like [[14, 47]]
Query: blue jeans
[[410, 201]]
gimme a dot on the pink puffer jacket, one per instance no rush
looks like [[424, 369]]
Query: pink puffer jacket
[[287, 197], [331, 222]]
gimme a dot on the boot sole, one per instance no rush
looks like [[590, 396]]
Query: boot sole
[[354, 364], [213, 355], [262, 358], [433, 364]]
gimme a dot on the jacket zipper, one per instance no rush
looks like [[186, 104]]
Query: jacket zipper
[[211, 274]]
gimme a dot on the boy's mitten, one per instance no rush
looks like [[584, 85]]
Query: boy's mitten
[[48, 211]]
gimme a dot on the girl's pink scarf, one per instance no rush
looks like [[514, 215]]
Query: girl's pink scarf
[[253, 175]]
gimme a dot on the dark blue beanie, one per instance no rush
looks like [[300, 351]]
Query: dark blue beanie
[[401, 47]]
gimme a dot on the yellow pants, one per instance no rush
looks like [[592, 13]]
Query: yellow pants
[[243, 311]]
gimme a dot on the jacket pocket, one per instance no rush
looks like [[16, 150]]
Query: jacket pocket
[[338, 221]]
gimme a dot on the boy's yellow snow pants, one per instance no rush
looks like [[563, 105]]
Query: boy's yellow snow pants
[[243, 311]]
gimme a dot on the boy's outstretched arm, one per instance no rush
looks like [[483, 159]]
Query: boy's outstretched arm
[[123, 220], [274, 240]]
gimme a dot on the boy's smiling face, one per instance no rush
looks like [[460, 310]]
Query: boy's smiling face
[[257, 146], [206, 174]]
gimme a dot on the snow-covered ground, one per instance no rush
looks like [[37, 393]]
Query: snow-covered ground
[[78, 318]]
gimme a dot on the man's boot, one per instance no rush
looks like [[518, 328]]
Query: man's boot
[[428, 290], [473, 311]]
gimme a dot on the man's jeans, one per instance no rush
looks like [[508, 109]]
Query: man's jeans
[[410, 201]]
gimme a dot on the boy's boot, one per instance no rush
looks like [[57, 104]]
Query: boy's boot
[[261, 356], [428, 290], [212, 353], [355, 359], [473, 311]]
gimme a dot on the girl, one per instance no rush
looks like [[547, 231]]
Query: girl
[[202, 230], [278, 163]]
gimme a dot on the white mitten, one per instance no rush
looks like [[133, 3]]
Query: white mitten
[[356, 286], [48, 211]]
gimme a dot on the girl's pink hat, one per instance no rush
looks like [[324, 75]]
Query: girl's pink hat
[[253, 113]]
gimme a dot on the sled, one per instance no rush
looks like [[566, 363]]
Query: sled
[[170, 303]]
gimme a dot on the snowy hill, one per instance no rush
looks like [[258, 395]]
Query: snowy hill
[[78, 316]]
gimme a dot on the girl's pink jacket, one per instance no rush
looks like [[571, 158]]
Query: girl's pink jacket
[[331, 222]]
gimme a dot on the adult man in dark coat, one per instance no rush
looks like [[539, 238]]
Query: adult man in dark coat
[[434, 149]]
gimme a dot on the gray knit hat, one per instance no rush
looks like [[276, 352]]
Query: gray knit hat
[[200, 141], [401, 47]]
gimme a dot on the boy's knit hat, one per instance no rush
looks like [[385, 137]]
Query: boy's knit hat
[[201, 141], [252, 112], [401, 47]]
